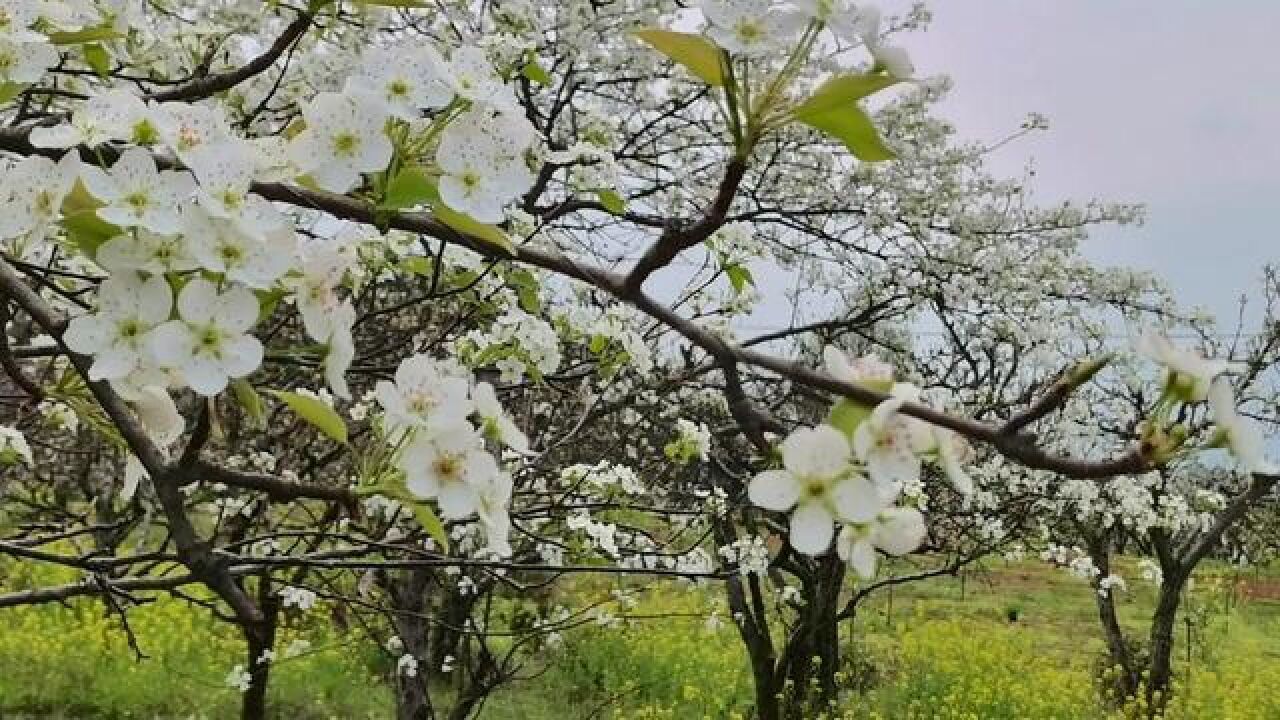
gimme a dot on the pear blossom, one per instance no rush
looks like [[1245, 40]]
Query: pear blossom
[[891, 59], [146, 251], [405, 82], [210, 344], [315, 288], [25, 62], [344, 137], [340, 349], [495, 422], [16, 16], [117, 334], [889, 443], [750, 27], [494, 499], [481, 154], [31, 194], [222, 246], [112, 115], [818, 481], [423, 396], [1188, 372], [846, 21], [225, 179], [474, 78], [896, 531], [136, 194], [13, 446], [869, 370], [1239, 433], [952, 452], [198, 134], [450, 465]]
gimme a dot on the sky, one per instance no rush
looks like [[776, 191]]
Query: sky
[[1174, 104]]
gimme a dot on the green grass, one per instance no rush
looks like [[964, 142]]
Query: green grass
[[940, 649]]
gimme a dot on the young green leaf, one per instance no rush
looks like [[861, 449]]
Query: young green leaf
[[535, 73], [739, 277], [86, 35], [9, 91], [430, 522], [843, 90], [847, 415], [409, 187], [97, 58], [697, 54], [488, 234], [251, 401], [316, 412], [612, 201], [852, 126]]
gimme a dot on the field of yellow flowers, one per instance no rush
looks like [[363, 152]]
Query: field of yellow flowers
[[1016, 640]]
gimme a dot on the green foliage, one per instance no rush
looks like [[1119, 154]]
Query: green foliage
[[316, 412], [853, 127], [695, 53]]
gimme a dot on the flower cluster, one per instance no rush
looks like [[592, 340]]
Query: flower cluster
[[440, 420], [852, 472]]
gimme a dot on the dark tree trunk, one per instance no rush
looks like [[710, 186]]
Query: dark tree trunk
[[1160, 673], [812, 656], [1117, 646], [260, 638], [408, 593]]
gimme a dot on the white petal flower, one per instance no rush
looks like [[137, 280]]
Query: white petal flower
[[751, 27], [31, 195], [474, 78], [896, 531], [137, 195], [117, 334], [482, 156], [198, 134], [496, 423], [340, 349], [1241, 434], [450, 465], [819, 483], [887, 442], [25, 62], [223, 246], [423, 396], [210, 344], [143, 250], [112, 115], [344, 137], [1188, 373], [13, 446], [405, 82], [495, 497]]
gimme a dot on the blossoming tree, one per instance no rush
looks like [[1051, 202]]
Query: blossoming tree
[[401, 305]]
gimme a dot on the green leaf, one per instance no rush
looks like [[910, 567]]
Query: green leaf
[[251, 401], [535, 73], [392, 3], [739, 277], [430, 522], [9, 91], [409, 187], [612, 201], [854, 128], [87, 35], [316, 412], [97, 58], [416, 265], [842, 91], [80, 219], [697, 54], [467, 225], [846, 415]]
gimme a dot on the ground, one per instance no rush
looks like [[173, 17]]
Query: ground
[[1008, 640]]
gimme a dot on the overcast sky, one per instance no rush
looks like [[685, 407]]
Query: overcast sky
[[1175, 104]]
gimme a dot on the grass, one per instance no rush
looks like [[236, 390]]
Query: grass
[[943, 649]]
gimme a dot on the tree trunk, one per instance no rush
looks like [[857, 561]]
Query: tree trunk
[[812, 656], [1117, 646], [1162, 629], [408, 593], [260, 638]]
